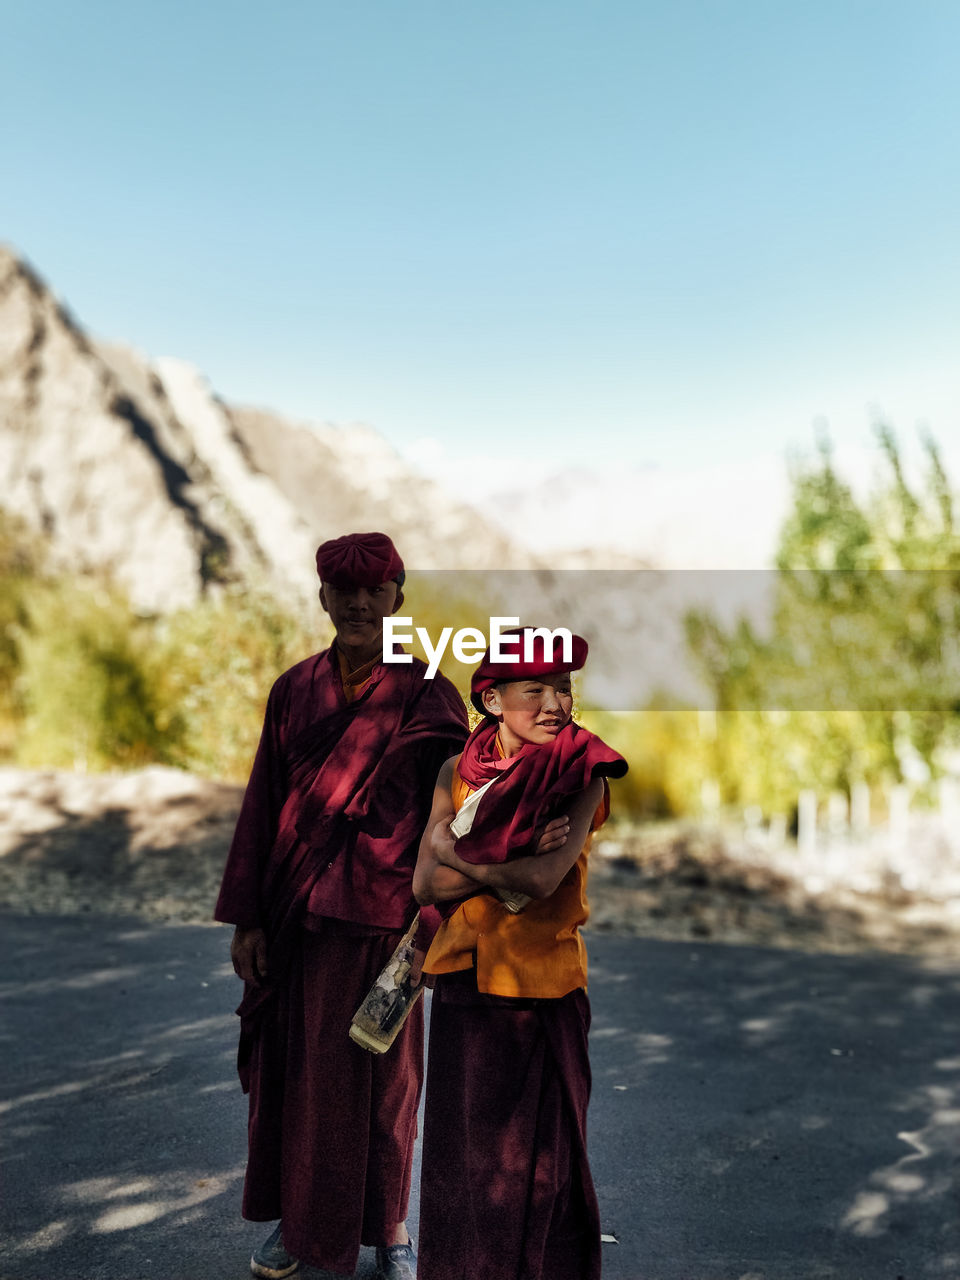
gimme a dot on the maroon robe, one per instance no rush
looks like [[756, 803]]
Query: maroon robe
[[323, 860], [505, 1189]]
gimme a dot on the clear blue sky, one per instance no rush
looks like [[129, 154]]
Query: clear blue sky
[[678, 230]]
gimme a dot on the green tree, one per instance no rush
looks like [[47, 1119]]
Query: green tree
[[859, 664], [212, 666], [85, 681], [21, 558]]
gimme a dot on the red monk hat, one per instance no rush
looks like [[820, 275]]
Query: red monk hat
[[359, 560], [546, 659]]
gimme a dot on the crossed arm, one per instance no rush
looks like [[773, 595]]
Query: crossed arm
[[441, 875]]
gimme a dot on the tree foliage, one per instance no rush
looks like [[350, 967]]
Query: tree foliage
[[86, 682], [856, 677]]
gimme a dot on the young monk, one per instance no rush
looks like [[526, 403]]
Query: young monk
[[318, 883], [506, 1191]]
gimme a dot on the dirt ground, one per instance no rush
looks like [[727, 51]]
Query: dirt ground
[[153, 844]]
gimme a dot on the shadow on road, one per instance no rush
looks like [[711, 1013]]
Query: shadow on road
[[757, 1115], [771, 1114], [122, 1139]]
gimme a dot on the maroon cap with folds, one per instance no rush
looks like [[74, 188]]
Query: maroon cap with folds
[[546, 660], [359, 560]]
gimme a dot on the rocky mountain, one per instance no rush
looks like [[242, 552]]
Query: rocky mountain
[[137, 468]]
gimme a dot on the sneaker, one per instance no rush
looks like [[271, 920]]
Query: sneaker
[[271, 1260], [396, 1262]]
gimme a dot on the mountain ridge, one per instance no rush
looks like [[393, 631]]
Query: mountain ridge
[[135, 467]]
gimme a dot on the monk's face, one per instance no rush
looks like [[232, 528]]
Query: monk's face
[[357, 613], [530, 710]]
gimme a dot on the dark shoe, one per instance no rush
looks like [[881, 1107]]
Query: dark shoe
[[271, 1260], [396, 1262]]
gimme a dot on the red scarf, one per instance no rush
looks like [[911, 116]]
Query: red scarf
[[530, 787]]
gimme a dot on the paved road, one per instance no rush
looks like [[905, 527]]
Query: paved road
[[757, 1115]]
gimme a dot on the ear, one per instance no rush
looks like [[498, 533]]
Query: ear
[[399, 600], [492, 702], [323, 600]]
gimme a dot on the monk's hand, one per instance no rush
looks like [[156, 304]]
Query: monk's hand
[[442, 841], [554, 835], [416, 966], [248, 951]]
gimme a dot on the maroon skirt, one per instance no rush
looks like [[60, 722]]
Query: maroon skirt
[[506, 1190], [332, 1127]]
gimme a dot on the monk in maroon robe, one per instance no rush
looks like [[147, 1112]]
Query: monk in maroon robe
[[506, 1190], [318, 883]]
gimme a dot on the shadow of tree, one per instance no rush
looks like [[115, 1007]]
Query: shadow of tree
[[772, 1114], [162, 865], [695, 890]]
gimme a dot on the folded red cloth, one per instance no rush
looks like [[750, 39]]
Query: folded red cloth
[[531, 786]]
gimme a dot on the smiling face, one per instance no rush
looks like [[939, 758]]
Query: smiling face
[[530, 710], [357, 613]]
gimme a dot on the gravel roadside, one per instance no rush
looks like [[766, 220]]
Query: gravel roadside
[[152, 843]]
